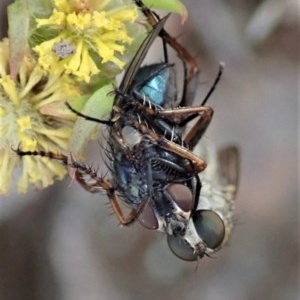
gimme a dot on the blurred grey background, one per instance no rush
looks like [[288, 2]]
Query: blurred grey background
[[64, 244]]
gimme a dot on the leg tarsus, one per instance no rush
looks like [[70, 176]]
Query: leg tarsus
[[55, 156]]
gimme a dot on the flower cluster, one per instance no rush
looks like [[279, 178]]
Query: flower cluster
[[23, 123], [86, 37]]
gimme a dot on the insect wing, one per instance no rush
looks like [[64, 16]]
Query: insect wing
[[140, 55], [228, 171]]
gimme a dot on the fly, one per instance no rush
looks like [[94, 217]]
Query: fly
[[154, 168], [210, 227]]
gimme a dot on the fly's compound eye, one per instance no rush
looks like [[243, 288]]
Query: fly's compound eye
[[181, 195], [181, 248], [209, 227], [148, 218]]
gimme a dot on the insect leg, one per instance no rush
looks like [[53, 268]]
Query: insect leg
[[86, 176], [106, 122], [190, 109], [214, 85], [197, 163], [194, 135], [90, 181], [197, 131], [115, 203], [55, 156], [156, 118], [206, 114]]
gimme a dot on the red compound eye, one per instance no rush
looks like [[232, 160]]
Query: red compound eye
[[148, 218], [181, 195]]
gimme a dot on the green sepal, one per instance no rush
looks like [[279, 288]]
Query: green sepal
[[99, 105], [174, 6]]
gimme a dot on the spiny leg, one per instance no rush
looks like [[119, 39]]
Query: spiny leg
[[87, 177], [55, 156], [189, 110], [205, 114], [196, 133], [125, 221], [197, 163], [182, 111], [187, 114], [156, 117], [89, 180]]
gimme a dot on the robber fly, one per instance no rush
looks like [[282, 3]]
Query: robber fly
[[154, 169], [211, 224]]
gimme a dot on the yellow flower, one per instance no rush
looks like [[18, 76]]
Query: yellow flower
[[88, 34], [23, 122]]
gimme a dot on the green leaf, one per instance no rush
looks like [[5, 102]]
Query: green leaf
[[18, 22], [174, 6], [21, 22], [99, 105]]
